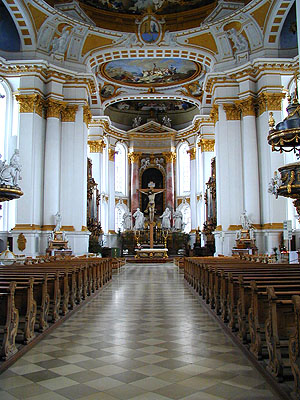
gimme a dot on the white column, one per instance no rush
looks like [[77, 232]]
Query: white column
[[273, 211], [52, 164], [31, 147], [250, 160], [111, 190], [193, 198], [229, 182]]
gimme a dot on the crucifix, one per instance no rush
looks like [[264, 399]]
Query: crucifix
[[151, 193]]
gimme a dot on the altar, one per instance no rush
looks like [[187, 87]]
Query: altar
[[151, 253]]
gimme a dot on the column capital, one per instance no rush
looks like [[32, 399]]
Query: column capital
[[68, 113], [246, 106], [30, 103], [134, 157], [270, 101], [54, 108], [87, 115], [232, 111], [111, 154], [170, 156], [96, 146], [192, 153], [214, 114], [207, 145]]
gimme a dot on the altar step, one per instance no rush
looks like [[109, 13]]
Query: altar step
[[151, 260]]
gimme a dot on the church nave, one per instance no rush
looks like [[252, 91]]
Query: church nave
[[145, 336]]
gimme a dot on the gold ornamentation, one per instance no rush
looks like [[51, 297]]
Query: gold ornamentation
[[214, 113], [134, 157], [192, 153], [246, 106], [170, 157], [21, 242], [54, 108], [219, 228], [270, 101], [26, 227], [232, 111], [111, 154], [96, 146], [87, 115], [271, 121], [68, 114], [207, 145], [30, 103]]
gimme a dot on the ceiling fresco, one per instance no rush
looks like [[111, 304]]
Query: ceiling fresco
[[150, 72], [141, 6]]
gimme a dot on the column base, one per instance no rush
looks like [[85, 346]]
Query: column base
[[37, 242], [265, 241]]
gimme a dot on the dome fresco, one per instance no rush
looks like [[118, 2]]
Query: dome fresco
[[141, 6], [150, 72]]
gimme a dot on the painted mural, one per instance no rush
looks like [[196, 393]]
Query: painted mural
[[150, 72], [141, 6], [159, 106]]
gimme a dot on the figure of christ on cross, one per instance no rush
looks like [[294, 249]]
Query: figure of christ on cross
[[151, 193]]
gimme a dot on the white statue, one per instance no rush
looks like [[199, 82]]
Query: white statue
[[239, 41], [166, 121], [136, 121], [245, 221], [126, 221], [177, 216], [59, 44], [58, 218], [275, 184], [139, 220], [166, 219], [11, 174]]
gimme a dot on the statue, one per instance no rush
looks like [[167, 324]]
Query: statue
[[58, 218], [166, 121], [239, 41], [126, 221], [59, 45], [166, 219], [245, 221], [151, 202], [275, 184], [139, 220], [177, 217], [11, 174], [136, 121]]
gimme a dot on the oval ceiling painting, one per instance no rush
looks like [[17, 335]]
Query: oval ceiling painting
[[150, 72]]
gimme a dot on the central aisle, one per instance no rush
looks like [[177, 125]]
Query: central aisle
[[144, 337]]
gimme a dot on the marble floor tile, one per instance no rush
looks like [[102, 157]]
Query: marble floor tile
[[143, 337]]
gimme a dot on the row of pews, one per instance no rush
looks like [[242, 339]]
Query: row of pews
[[36, 295], [259, 303]]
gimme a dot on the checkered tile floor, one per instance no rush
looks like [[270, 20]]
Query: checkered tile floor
[[143, 337]]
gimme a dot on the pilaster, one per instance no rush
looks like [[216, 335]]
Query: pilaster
[[111, 190], [134, 159]]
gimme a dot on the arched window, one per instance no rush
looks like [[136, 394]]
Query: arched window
[[183, 168], [120, 169]]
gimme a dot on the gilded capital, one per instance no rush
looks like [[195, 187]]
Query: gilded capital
[[192, 153], [207, 145], [214, 113], [87, 115], [246, 106], [95, 146], [68, 113], [270, 101], [232, 111], [134, 157], [30, 103], [54, 108], [170, 156], [111, 154]]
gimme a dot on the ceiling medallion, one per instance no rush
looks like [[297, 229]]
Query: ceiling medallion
[[149, 29]]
